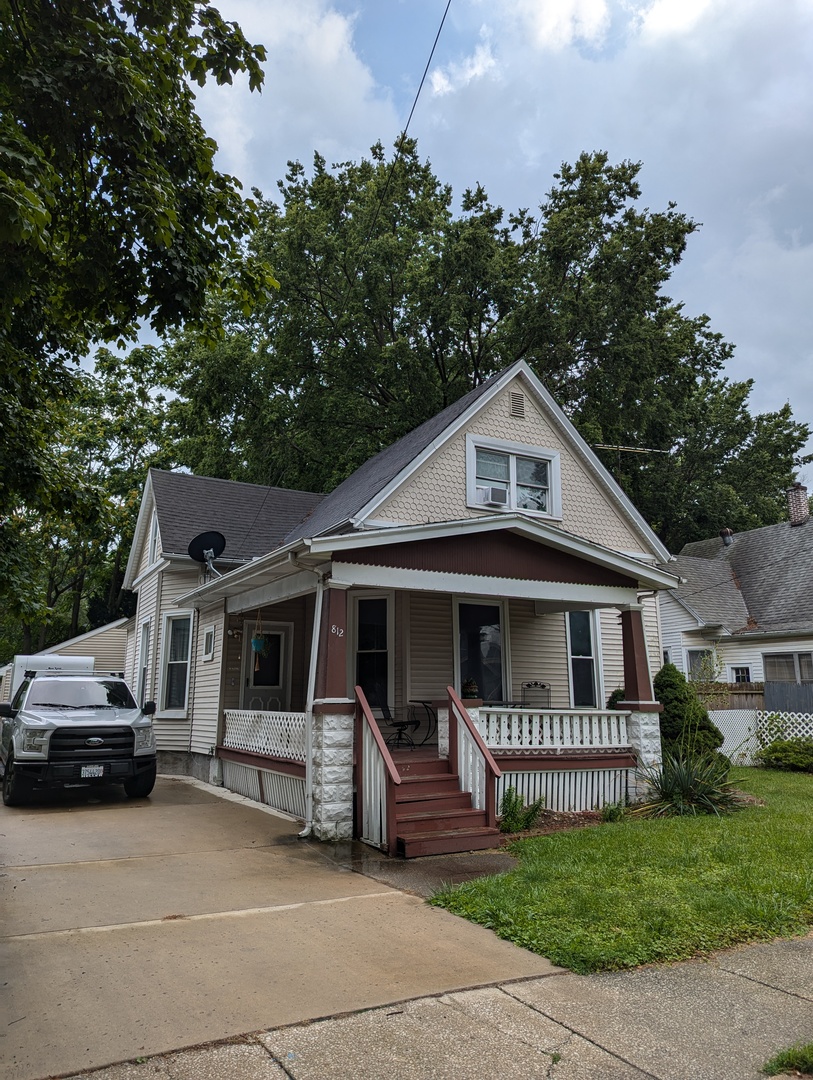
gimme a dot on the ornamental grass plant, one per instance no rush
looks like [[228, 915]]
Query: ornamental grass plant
[[687, 784], [644, 890]]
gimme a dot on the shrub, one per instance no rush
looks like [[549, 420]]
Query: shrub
[[686, 729], [615, 697], [613, 811], [795, 755], [687, 785], [515, 815]]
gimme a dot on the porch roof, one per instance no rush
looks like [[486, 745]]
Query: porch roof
[[295, 568]]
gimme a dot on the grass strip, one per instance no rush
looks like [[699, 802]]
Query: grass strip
[[643, 891], [796, 1059]]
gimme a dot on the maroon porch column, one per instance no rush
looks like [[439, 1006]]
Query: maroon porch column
[[331, 663], [643, 726]]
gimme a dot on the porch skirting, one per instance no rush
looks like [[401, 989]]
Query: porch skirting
[[574, 788], [266, 785]]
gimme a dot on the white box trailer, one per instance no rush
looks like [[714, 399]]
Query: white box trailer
[[46, 662]]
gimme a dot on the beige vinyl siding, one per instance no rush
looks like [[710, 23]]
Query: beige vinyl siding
[[652, 632], [206, 681], [437, 491], [612, 650], [431, 648], [130, 648], [538, 651], [172, 733], [107, 646]]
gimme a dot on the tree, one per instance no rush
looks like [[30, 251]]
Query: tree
[[68, 569], [393, 306], [111, 212]]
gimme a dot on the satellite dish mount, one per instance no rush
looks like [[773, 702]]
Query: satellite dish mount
[[205, 548]]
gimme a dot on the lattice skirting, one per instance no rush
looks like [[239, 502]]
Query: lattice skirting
[[574, 789], [283, 792]]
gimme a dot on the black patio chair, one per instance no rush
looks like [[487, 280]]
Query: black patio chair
[[536, 695], [402, 725]]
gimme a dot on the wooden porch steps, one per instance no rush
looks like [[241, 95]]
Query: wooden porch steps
[[433, 816]]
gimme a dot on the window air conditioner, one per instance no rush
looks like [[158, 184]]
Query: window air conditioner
[[495, 496]]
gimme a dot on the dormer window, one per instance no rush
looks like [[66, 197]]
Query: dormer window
[[512, 476]]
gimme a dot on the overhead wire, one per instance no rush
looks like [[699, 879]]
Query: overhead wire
[[379, 204]]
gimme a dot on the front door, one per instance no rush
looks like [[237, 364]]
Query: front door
[[267, 667]]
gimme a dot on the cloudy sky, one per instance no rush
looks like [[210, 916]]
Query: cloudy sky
[[715, 97]]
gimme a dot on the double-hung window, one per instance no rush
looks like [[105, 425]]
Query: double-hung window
[[177, 649], [512, 476], [143, 662], [585, 675]]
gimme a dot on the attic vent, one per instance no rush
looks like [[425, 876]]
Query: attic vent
[[518, 404]]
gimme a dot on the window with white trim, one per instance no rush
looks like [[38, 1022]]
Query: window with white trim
[[209, 643], [788, 667], [509, 476], [699, 663], [175, 667], [584, 676], [740, 674]]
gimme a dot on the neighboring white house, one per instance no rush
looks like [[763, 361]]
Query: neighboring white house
[[488, 545], [745, 603], [106, 644]]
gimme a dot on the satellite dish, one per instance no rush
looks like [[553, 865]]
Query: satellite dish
[[205, 548]]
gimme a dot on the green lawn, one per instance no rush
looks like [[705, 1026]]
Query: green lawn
[[642, 891]]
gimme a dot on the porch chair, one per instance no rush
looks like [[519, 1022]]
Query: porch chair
[[536, 695], [402, 726]]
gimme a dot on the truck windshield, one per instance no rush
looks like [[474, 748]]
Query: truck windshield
[[80, 694]]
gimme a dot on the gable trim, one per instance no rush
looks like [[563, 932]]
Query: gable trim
[[521, 368]]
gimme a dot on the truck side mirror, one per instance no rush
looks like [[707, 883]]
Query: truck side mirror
[[6, 710], [148, 708]]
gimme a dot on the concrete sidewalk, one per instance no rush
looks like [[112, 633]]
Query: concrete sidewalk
[[715, 1020]]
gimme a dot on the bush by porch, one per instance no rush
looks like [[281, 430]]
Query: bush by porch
[[637, 892]]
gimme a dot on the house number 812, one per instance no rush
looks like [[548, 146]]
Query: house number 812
[[337, 630]]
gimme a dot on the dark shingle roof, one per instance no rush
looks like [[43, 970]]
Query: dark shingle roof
[[773, 567], [374, 475], [711, 591], [253, 519]]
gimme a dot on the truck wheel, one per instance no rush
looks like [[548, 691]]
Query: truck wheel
[[15, 786], [139, 787]]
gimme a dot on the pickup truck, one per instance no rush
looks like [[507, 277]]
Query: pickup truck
[[74, 729]]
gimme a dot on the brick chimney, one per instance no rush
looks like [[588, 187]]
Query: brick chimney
[[798, 506]]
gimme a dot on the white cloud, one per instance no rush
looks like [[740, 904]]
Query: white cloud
[[459, 74], [555, 24], [666, 18]]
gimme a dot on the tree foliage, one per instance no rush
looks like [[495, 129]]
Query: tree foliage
[[111, 211], [685, 724], [392, 306]]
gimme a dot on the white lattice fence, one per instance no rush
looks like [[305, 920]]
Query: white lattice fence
[[275, 734], [745, 730]]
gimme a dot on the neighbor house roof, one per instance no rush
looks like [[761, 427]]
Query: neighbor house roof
[[252, 518], [771, 569]]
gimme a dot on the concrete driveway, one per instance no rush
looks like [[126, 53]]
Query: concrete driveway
[[132, 928]]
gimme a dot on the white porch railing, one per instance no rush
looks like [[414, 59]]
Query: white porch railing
[[274, 734], [376, 783], [532, 730], [476, 768]]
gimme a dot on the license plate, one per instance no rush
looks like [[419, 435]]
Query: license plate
[[91, 771]]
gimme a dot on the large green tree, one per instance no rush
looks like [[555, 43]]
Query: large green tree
[[392, 306], [112, 214]]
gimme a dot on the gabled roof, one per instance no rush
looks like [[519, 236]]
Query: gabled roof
[[253, 519], [358, 497], [771, 568], [710, 593], [345, 501]]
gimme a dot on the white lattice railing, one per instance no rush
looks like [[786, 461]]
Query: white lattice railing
[[552, 729], [275, 734]]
